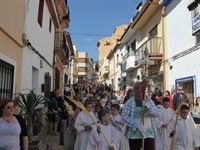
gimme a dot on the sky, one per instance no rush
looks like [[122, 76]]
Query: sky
[[93, 20]]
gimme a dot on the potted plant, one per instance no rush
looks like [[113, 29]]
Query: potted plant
[[32, 110]]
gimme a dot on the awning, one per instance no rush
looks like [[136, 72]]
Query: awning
[[186, 79]]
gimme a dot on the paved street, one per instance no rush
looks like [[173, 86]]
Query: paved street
[[53, 141]]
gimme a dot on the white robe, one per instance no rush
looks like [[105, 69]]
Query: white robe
[[124, 143], [82, 136], [97, 141], [162, 137], [186, 136]]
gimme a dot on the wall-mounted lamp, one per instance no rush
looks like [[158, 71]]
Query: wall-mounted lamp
[[41, 63], [170, 64]]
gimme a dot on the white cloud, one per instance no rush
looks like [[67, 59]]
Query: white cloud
[[88, 39]]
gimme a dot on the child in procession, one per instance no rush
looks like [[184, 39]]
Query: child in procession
[[186, 135], [97, 140], [166, 114], [116, 122], [83, 125]]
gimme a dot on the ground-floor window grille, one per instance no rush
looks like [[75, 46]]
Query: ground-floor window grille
[[47, 83], [6, 79]]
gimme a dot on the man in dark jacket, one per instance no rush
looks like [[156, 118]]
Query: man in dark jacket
[[178, 97]]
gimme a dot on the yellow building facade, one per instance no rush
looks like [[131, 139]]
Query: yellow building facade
[[11, 45], [150, 47]]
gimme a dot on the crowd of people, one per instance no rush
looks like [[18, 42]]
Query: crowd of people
[[133, 121], [154, 122]]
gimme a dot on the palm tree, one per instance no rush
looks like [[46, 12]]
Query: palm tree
[[32, 109]]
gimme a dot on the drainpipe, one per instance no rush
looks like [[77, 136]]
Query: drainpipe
[[164, 49]]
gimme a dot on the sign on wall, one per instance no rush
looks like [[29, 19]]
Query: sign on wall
[[195, 21]]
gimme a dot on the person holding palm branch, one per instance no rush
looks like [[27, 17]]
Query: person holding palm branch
[[185, 134], [139, 108]]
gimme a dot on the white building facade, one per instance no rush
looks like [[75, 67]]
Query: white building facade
[[183, 56], [38, 54], [129, 45]]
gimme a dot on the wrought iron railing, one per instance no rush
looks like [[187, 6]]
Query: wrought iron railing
[[60, 43], [153, 46], [6, 79]]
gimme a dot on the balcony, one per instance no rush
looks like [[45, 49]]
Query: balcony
[[105, 71], [128, 62], [63, 12], [61, 48], [61, 7], [153, 47]]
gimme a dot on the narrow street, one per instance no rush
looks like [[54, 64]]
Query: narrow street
[[51, 142]]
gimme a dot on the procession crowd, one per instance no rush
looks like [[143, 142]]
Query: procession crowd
[[110, 121], [134, 121]]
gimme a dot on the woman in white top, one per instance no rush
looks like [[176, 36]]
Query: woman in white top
[[13, 133]]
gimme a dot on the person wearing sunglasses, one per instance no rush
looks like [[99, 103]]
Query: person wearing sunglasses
[[13, 131]]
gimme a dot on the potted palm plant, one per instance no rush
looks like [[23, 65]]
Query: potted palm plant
[[32, 109]]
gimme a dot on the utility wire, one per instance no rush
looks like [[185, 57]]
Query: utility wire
[[91, 34], [107, 1]]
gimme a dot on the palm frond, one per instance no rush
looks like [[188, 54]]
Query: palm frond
[[31, 108]]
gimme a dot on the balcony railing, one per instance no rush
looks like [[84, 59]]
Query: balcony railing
[[153, 47], [58, 41], [61, 47], [61, 6], [130, 53], [128, 64]]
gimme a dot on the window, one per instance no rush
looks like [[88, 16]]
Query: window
[[57, 80], [153, 33], [50, 25], [82, 69], [154, 42], [133, 48], [40, 12], [82, 60], [128, 48], [6, 79], [47, 83]]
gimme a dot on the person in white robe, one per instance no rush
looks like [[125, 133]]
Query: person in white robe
[[186, 135], [166, 114], [83, 125], [97, 140], [117, 122]]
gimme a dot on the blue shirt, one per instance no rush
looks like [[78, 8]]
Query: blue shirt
[[129, 117]]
